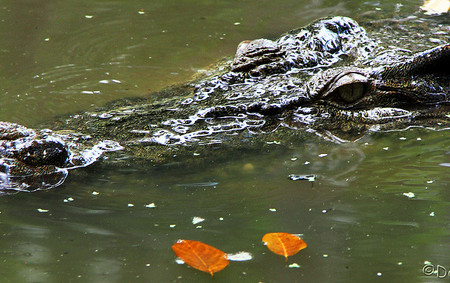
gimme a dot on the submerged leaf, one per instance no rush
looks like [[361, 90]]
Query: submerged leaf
[[284, 244], [201, 256]]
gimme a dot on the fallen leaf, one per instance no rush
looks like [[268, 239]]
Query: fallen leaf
[[284, 244], [248, 167], [201, 256], [436, 6]]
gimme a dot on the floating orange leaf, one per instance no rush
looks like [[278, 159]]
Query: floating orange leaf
[[201, 256], [284, 244]]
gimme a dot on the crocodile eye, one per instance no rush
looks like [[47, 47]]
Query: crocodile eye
[[346, 89], [351, 92]]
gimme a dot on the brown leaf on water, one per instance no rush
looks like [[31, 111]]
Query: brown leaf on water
[[436, 6], [284, 244], [201, 256]]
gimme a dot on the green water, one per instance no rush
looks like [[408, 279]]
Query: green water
[[377, 210]]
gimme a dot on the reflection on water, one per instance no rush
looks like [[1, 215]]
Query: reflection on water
[[354, 216], [357, 215]]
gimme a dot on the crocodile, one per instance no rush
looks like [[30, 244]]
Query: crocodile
[[328, 79]]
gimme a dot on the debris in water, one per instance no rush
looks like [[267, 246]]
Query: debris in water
[[248, 167], [409, 194], [294, 265], [436, 6], [196, 220], [90, 92], [205, 184], [240, 256], [105, 116], [310, 178], [284, 244]]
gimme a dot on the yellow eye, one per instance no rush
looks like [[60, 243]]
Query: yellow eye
[[351, 92], [346, 88]]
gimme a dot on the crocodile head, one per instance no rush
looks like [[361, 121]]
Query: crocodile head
[[328, 78], [333, 79]]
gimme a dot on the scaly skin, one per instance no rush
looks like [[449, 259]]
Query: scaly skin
[[329, 78]]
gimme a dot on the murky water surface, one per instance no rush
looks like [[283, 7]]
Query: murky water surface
[[377, 209]]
